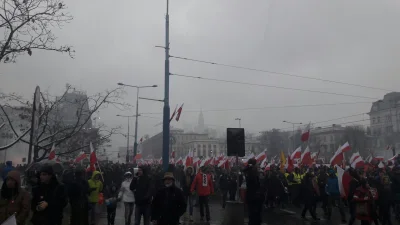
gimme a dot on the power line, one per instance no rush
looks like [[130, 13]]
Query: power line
[[266, 107], [279, 73], [272, 86]]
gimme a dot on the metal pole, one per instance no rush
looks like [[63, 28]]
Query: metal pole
[[240, 123], [127, 144], [135, 145], [166, 109]]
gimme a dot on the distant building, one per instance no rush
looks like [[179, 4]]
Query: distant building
[[385, 121], [20, 118], [74, 106], [200, 128], [326, 139], [152, 147]]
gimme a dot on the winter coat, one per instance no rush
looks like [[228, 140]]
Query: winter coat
[[142, 189], [98, 187], [186, 183], [203, 184], [14, 200], [168, 206], [125, 193], [54, 194], [224, 181], [332, 186]]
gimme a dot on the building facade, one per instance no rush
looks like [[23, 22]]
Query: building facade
[[326, 139], [384, 119]]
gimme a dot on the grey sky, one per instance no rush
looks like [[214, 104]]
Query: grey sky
[[349, 41]]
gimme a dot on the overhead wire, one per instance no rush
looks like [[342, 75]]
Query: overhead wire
[[278, 73], [266, 107], [271, 86]]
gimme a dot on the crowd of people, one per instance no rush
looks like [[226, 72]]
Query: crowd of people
[[371, 194], [162, 198]]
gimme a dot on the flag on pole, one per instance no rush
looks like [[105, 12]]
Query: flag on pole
[[52, 155], [173, 114], [283, 161], [80, 157], [179, 113], [305, 135]]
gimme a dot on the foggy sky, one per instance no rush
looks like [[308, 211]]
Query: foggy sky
[[348, 41]]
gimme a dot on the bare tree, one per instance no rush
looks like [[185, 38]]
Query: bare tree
[[27, 25], [357, 138], [63, 120]]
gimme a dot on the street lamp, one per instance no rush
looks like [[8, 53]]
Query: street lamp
[[293, 124], [240, 122], [127, 142], [137, 111]]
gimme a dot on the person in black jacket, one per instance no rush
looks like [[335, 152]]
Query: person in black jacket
[[186, 182], [143, 190], [48, 199], [224, 181], [169, 203], [78, 191], [254, 193]]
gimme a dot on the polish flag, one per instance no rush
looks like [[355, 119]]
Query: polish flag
[[393, 158], [260, 157], [264, 163], [305, 135], [189, 159], [93, 157], [306, 157], [179, 113], [354, 157], [224, 164], [358, 162], [173, 154], [90, 168], [173, 114], [346, 147], [268, 167], [196, 162], [205, 162], [344, 179], [179, 161], [379, 158], [381, 165], [172, 161], [337, 159], [80, 157], [296, 154], [290, 165], [52, 155]]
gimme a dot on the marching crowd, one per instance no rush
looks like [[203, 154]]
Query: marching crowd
[[163, 198]]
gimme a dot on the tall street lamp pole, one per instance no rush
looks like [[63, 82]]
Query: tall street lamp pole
[[127, 142], [293, 124], [166, 113], [135, 145], [240, 122]]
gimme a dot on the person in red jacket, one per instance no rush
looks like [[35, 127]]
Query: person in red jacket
[[203, 184]]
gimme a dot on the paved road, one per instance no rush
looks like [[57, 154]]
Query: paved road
[[290, 216]]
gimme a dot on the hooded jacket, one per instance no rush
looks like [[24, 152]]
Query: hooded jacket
[[54, 194], [98, 187], [142, 188], [125, 192], [186, 181], [203, 184], [14, 200]]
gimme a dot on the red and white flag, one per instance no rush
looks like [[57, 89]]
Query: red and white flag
[[52, 155], [305, 135], [346, 147], [290, 164], [296, 154], [260, 157], [354, 157], [264, 163], [80, 157], [337, 158], [178, 116], [173, 114], [344, 179], [189, 158], [268, 167], [179, 161], [358, 162], [306, 157]]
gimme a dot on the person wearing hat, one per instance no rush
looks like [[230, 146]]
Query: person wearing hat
[[48, 199], [14, 199], [127, 197], [168, 204]]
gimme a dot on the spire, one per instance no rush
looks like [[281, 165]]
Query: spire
[[200, 123]]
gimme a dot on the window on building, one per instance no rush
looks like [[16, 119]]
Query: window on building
[[378, 119], [373, 120]]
